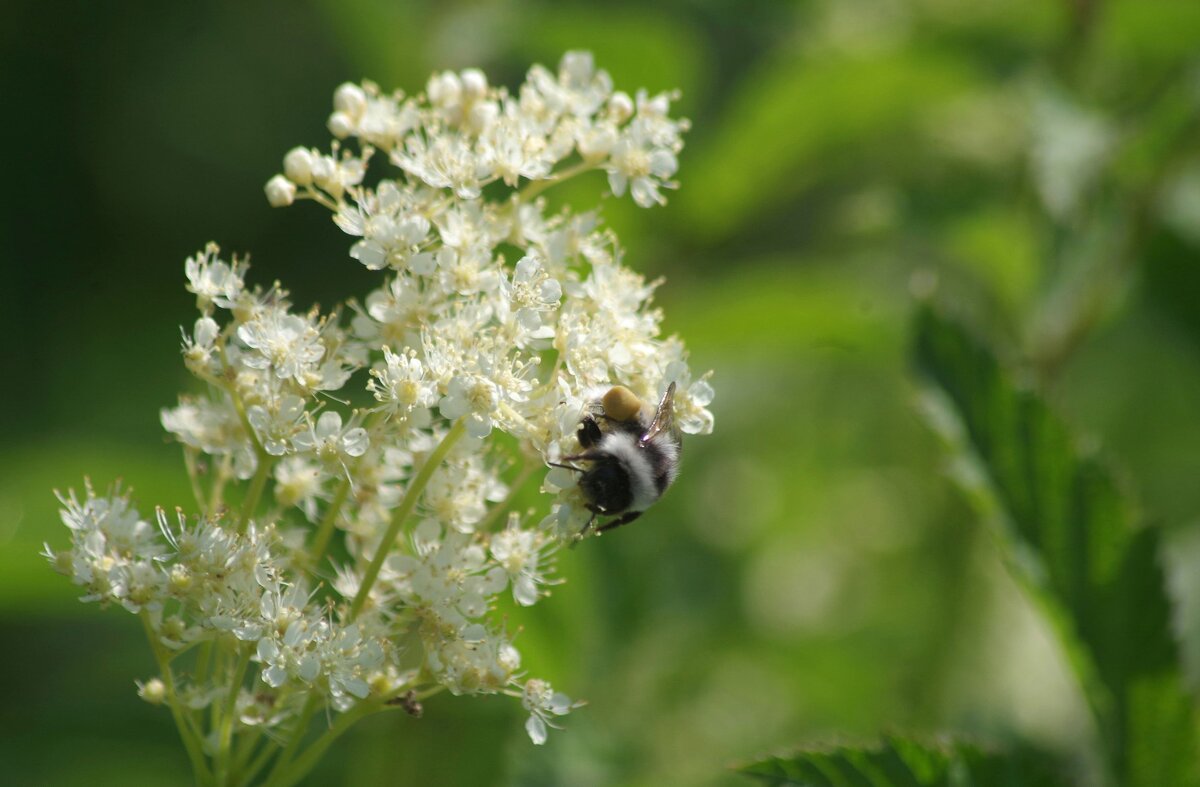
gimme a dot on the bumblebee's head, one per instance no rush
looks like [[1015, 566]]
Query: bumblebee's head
[[606, 485]]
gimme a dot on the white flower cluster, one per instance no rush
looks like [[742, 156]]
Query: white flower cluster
[[491, 316]]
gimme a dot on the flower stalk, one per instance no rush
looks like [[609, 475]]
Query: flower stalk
[[411, 495]]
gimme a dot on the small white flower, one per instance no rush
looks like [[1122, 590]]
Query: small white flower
[[513, 149], [330, 442], [458, 494], [473, 396], [467, 271], [579, 88], [277, 423], [402, 384], [211, 426], [213, 280], [532, 293], [298, 482], [291, 629], [334, 175], [543, 702], [636, 161], [691, 398], [286, 343], [394, 241], [114, 552], [519, 552], [346, 658], [444, 162]]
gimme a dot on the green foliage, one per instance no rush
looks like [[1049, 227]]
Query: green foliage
[[905, 762], [1070, 532], [794, 122]]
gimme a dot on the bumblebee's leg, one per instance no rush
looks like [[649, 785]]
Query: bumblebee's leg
[[586, 456], [624, 519], [565, 467], [588, 526], [589, 432]]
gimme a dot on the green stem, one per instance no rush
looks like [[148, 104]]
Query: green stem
[[200, 771], [244, 418], [314, 752], [316, 196], [189, 461], [538, 186], [325, 529], [329, 521], [257, 764], [406, 506], [242, 752], [254, 494], [204, 661], [225, 735], [217, 498], [289, 751]]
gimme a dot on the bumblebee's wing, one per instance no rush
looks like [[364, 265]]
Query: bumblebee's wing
[[664, 417]]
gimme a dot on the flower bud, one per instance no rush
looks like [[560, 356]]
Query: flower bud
[[281, 192], [153, 691], [206, 331], [444, 89], [596, 143], [340, 125], [620, 106], [297, 166], [474, 84], [173, 628], [350, 99]]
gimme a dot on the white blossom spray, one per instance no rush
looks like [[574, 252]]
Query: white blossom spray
[[323, 536]]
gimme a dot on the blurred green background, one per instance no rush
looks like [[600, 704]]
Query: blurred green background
[[813, 573]]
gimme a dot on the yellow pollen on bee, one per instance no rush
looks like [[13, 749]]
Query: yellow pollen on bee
[[621, 404]]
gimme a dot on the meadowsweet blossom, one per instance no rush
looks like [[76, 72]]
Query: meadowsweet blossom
[[351, 556], [543, 703], [214, 281], [332, 443], [524, 554]]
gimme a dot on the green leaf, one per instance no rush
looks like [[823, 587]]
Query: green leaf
[[1070, 533], [905, 762]]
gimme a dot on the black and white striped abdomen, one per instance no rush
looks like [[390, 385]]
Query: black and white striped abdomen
[[651, 467]]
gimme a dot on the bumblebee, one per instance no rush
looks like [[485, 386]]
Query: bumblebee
[[631, 452]]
